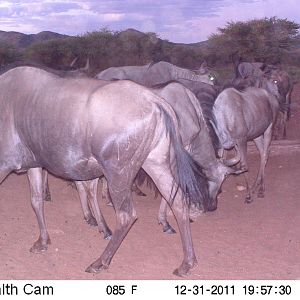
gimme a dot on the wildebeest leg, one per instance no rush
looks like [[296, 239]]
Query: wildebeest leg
[[161, 175], [105, 192], [46, 191], [263, 146], [287, 114], [162, 217], [36, 191], [83, 196], [181, 213], [194, 213], [279, 126], [259, 142], [91, 187], [162, 214], [285, 119], [241, 148], [88, 195], [125, 217]]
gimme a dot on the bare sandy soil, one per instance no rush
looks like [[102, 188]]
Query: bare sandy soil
[[260, 240]]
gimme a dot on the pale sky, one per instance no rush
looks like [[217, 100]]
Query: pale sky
[[185, 21]]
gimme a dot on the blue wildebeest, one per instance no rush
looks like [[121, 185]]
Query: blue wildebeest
[[242, 116], [157, 73], [286, 86], [197, 139], [245, 70], [70, 73], [246, 73], [74, 129], [67, 72]]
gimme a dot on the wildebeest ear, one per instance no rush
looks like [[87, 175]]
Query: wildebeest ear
[[245, 69]]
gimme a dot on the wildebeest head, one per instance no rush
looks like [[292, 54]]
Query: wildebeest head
[[223, 169], [271, 81], [246, 69], [261, 75], [246, 74], [204, 69], [283, 79]]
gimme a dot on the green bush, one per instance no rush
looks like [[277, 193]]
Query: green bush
[[9, 54]]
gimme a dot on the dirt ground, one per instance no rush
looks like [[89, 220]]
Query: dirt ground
[[260, 240]]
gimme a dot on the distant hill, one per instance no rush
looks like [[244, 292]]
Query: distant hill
[[21, 40]]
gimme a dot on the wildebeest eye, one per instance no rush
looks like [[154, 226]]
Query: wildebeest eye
[[275, 81], [211, 77]]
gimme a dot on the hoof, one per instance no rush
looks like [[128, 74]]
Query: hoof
[[183, 270], [248, 199], [91, 221], [94, 268], [212, 207], [107, 235], [178, 273], [38, 247], [260, 194], [47, 197], [169, 230], [141, 194]]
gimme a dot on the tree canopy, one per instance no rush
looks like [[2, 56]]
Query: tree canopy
[[255, 40], [106, 48]]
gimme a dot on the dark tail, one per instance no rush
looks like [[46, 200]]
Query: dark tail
[[189, 175]]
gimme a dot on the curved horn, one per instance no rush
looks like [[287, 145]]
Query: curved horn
[[87, 66], [232, 161], [73, 61], [203, 68]]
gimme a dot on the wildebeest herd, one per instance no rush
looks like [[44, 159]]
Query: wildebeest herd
[[171, 124]]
